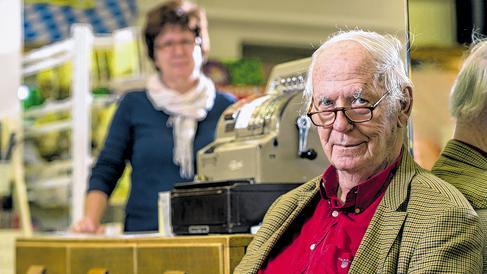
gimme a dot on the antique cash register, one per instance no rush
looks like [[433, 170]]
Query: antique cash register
[[264, 147]]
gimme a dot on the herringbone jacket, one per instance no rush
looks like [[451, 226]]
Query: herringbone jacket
[[466, 169], [422, 225]]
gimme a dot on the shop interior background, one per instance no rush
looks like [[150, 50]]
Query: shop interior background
[[246, 36]]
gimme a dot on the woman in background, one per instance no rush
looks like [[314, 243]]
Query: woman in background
[[158, 130]]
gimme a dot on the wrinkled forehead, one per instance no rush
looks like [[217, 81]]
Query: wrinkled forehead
[[343, 67], [342, 60]]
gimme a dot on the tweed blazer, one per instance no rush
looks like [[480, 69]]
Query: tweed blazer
[[422, 225], [466, 169]]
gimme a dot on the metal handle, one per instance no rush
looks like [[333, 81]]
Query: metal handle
[[36, 269], [98, 270], [304, 125]]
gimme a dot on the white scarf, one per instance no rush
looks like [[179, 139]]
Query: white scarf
[[185, 110]]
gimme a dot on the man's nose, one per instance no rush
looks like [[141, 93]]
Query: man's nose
[[342, 123]]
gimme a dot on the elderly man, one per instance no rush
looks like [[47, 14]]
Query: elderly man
[[463, 162], [374, 210]]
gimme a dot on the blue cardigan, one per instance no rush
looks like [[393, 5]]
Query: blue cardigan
[[138, 134]]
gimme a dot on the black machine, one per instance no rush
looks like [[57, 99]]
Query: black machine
[[222, 207]]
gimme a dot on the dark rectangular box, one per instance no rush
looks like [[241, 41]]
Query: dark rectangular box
[[222, 207]]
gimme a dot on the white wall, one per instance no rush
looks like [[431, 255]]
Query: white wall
[[295, 23], [432, 22], [289, 23], [10, 55]]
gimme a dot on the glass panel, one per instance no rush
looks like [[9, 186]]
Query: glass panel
[[439, 30]]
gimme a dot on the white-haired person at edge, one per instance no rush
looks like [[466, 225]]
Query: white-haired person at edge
[[373, 210], [463, 162], [159, 129]]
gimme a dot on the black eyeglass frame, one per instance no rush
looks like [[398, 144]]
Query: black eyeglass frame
[[344, 110]]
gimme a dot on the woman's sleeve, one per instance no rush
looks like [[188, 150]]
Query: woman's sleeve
[[112, 158]]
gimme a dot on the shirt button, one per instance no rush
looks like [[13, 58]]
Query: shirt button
[[334, 213], [312, 247], [357, 210], [344, 264]]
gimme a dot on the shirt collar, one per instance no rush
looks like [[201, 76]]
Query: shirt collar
[[360, 196]]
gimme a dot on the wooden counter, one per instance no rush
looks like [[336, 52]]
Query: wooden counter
[[142, 254]]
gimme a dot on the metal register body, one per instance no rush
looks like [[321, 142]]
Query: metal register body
[[259, 139]]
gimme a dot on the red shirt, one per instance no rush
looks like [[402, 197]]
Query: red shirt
[[328, 235]]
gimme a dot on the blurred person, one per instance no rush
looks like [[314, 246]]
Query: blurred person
[[158, 130], [463, 162], [374, 210]]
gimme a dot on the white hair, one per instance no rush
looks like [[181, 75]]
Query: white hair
[[390, 72], [468, 96]]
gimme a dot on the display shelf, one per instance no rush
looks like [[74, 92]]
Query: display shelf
[[52, 192], [44, 129], [47, 57], [103, 101], [77, 51], [53, 167], [47, 52], [66, 105], [52, 62], [49, 107], [64, 180], [51, 182]]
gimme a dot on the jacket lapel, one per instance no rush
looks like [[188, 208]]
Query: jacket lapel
[[295, 205], [374, 253]]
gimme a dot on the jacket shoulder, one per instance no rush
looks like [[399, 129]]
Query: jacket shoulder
[[225, 97], [133, 95], [426, 186]]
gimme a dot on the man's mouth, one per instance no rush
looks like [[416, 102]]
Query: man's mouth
[[350, 145]]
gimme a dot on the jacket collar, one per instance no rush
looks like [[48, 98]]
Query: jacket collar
[[377, 240], [397, 192], [387, 221], [459, 151]]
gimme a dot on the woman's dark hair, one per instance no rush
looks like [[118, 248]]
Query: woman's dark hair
[[170, 13]]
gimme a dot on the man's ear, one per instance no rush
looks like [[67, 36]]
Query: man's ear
[[406, 106]]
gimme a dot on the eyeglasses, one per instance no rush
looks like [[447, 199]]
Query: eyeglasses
[[325, 118], [171, 45]]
